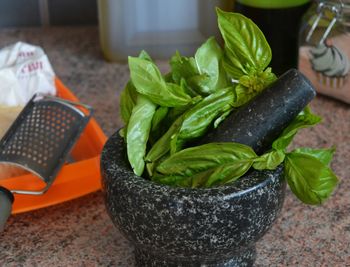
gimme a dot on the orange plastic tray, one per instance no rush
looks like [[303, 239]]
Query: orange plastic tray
[[75, 179]]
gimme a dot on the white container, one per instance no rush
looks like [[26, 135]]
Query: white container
[[158, 26]]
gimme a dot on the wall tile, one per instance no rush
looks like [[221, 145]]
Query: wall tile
[[19, 13], [73, 12]]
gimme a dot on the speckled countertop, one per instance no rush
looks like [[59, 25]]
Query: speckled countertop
[[79, 232]]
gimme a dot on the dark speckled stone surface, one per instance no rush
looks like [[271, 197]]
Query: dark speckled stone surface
[[189, 227], [80, 232]]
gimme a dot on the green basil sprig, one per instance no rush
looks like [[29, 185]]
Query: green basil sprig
[[197, 120], [162, 146], [137, 133], [203, 72], [206, 165], [148, 81], [323, 155], [128, 100], [304, 119], [270, 160], [190, 125], [310, 179], [307, 170], [246, 46], [129, 94], [247, 53], [208, 61], [163, 113]]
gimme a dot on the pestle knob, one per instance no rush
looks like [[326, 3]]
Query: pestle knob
[[262, 120]]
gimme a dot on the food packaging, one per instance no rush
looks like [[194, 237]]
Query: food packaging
[[25, 70]]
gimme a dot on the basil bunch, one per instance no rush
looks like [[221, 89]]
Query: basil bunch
[[163, 113]]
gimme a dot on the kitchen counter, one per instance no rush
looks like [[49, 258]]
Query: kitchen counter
[[80, 233]]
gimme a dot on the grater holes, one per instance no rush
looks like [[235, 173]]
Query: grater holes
[[42, 132]]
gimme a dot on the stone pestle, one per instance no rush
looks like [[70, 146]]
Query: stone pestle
[[262, 120]]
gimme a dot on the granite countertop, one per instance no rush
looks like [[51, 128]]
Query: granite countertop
[[80, 233]]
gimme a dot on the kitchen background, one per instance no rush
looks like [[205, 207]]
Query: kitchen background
[[31, 13], [79, 232]]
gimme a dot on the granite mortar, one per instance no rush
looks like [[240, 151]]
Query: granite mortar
[[173, 226]]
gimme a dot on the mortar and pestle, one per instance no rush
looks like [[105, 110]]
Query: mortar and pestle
[[219, 226]]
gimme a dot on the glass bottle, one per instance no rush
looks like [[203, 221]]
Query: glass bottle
[[158, 26], [279, 20], [324, 50]]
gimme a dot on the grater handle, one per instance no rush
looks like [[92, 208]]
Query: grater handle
[[6, 200]]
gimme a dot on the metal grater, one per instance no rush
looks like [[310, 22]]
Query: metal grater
[[42, 137]]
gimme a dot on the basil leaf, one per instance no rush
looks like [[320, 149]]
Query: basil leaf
[[208, 56], [144, 55], [310, 180], [244, 40], [138, 132], [148, 81], [191, 161], [267, 76], [181, 181], [158, 117], [270, 160], [127, 101], [162, 146], [204, 73], [129, 94], [198, 119], [206, 165], [200, 84], [222, 118], [251, 85], [122, 133], [228, 173], [188, 89], [303, 120], [208, 60], [179, 97], [242, 95], [232, 65], [182, 67], [257, 80], [174, 113], [172, 122], [323, 155], [168, 78], [223, 174]]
